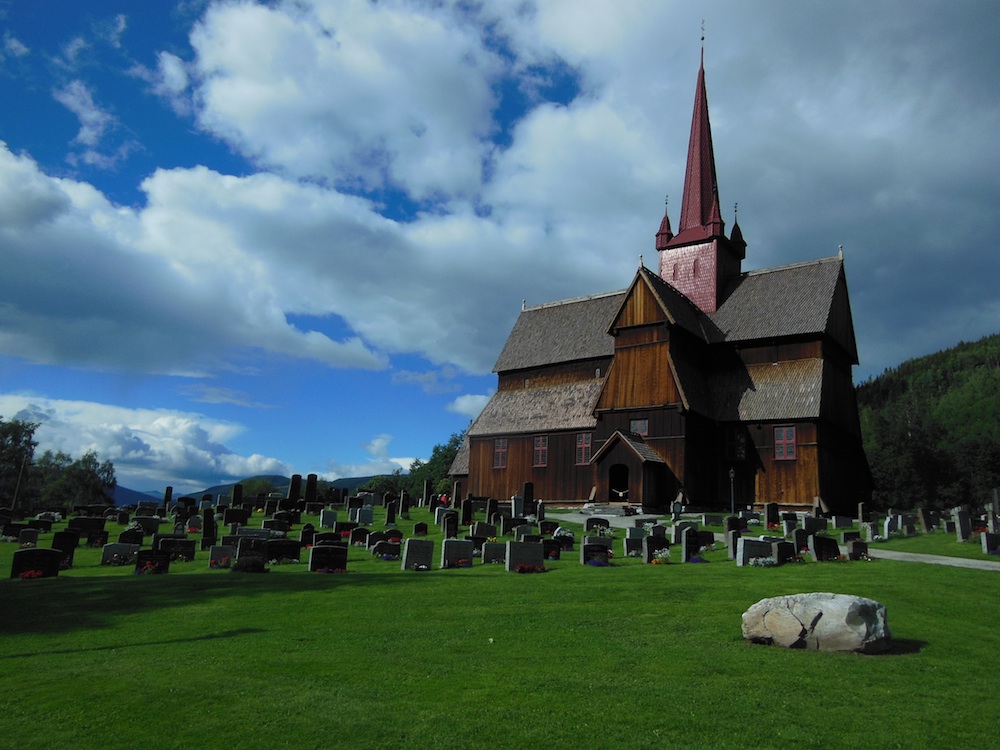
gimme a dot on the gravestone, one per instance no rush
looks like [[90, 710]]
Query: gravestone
[[517, 505], [312, 482], [491, 508], [220, 556], [801, 541], [44, 525], [385, 550], [274, 524], [823, 548], [327, 518], [28, 538], [493, 552], [236, 515], [456, 553], [359, 536], [551, 549], [36, 562], [651, 545], [789, 527], [862, 513], [327, 558], [479, 528], [520, 532], [595, 522], [593, 553], [66, 540], [658, 530], [813, 525], [632, 546], [420, 529], [178, 549], [282, 549], [849, 536], [152, 562], [119, 554], [524, 553], [732, 537], [467, 514], [856, 549], [306, 535], [711, 520], [770, 514], [83, 524], [449, 524], [390, 513], [990, 542], [131, 536], [509, 523], [341, 526], [418, 554], [963, 525], [732, 523], [783, 552], [679, 528], [149, 524], [888, 527], [747, 549]]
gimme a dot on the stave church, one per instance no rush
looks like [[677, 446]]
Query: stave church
[[724, 387]]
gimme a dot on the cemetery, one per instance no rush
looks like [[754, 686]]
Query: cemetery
[[383, 625]]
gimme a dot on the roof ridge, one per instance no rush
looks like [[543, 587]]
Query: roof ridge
[[572, 300], [799, 264]]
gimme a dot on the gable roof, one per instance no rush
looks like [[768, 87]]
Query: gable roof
[[565, 331], [784, 301], [635, 442], [567, 406]]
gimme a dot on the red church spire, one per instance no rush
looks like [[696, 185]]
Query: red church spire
[[700, 216]]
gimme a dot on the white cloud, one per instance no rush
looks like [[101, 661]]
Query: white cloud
[[147, 446], [351, 92], [94, 121], [469, 404], [13, 46], [381, 463]]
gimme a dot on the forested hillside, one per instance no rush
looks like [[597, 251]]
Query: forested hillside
[[932, 428]]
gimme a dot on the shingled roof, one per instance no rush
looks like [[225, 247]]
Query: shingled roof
[[769, 392], [565, 331], [784, 301], [567, 406]]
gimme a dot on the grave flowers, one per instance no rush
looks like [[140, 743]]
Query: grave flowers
[[524, 568], [151, 567], [661, 557], [27, 575], [222, 562], [763, 562], [597, 563], [329, 570]]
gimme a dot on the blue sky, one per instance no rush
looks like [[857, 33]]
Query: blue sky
[[244, 238]]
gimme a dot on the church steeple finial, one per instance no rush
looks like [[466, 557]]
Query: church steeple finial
[[666, 233]]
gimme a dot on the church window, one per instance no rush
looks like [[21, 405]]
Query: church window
[[675, 273], [639, 427], [584, 440], [784, 443], [694, 269], [540, 455], [500, 453]]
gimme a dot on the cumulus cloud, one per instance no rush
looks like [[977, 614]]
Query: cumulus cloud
[[94, 121], [470, 404], [380, 462], [145, 445]]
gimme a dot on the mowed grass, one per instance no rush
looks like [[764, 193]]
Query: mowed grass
[[578, 657]]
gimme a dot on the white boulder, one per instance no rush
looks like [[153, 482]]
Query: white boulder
[[820, 622]]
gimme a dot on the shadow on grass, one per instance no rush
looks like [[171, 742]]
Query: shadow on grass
[[903, 646], [63, 605], [117, 646]]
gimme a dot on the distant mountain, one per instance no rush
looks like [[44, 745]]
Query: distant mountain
[[126, 496]]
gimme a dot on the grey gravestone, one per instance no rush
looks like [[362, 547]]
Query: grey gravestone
[[524, 553], [632, 546], [595, 522], [551, 549], [494, 552], [789, 527], [517, 505], [327, 518], [770, 514], [28, 538], [487, 530], [178, 549], [963, 526], [220, 556], [849, 536], [783, 552], [711, 520], [119, 554], [679, 528], [658, 530], [449, 525], [747, 549], [386, 550], [991, 543], [888, 527], [45, 562], [842, 522], [456, 553], [651, 545], [327, 558], [732, 537], [823, 548], [520, 532], [418, 554]]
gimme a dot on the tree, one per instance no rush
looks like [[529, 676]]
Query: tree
[[436, 467], [256, 486], [85, 481], [17, 452]]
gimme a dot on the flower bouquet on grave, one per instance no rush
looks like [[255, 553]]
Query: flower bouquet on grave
[[388, 557], [762, 562], [26, 545], [222, 562], [329, 570], [150, 568], [661, 557], [419, 567], [30, 574], [122, 558], [463, 563], [523, 568], [345, 534], [596, 562]]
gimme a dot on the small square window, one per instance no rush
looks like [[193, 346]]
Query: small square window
[[639, 427]]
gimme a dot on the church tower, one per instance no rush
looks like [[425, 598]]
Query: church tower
[[699, 260]]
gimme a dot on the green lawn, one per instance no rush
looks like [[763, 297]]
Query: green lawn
[[577, 657]]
